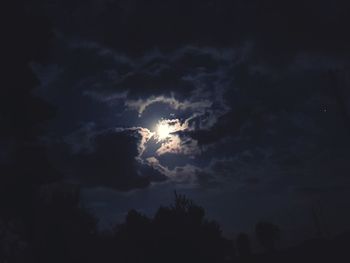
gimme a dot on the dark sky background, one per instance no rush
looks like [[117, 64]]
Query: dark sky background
[[257, 94]]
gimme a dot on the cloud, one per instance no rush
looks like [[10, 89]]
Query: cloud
[[256, 85], [143, 134], [190, 81], [112, 160], [177, 145], [141, 105], [185, 175], [277, 30], [106, 97]]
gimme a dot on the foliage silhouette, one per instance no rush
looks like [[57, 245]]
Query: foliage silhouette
[[267, 234], [243, 245], [24, 166], [178, 232]]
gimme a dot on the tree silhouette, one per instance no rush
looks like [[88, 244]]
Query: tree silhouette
[[243, 245], [23, 115], [177, 233], [267, 235], [62, 230], [134, 237]]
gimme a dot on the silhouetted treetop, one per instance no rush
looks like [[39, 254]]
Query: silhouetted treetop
[[267, 234], [178, 232]]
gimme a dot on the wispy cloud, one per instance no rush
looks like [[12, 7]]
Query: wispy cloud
[[141, 105]]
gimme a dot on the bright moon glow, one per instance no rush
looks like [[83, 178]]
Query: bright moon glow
[[166, 129], [163, 131]]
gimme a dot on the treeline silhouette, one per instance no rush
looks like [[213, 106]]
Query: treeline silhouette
[[177, 233], [58, 229]]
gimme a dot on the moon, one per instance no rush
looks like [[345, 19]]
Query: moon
[[163, 131], [166, 129]]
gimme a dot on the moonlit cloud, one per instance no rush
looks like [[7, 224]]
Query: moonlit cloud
[[178, 145], [193, 92], [185, 174], [172, 126], [171, 142], [141, 105], [83, 142], [144, 133], [220, 101]]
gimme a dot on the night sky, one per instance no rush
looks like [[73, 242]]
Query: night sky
[[241, 105]]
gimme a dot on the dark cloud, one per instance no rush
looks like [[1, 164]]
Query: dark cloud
[[227, 125], [319, 191], [230, 102], [277, 29], [109, 159]]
